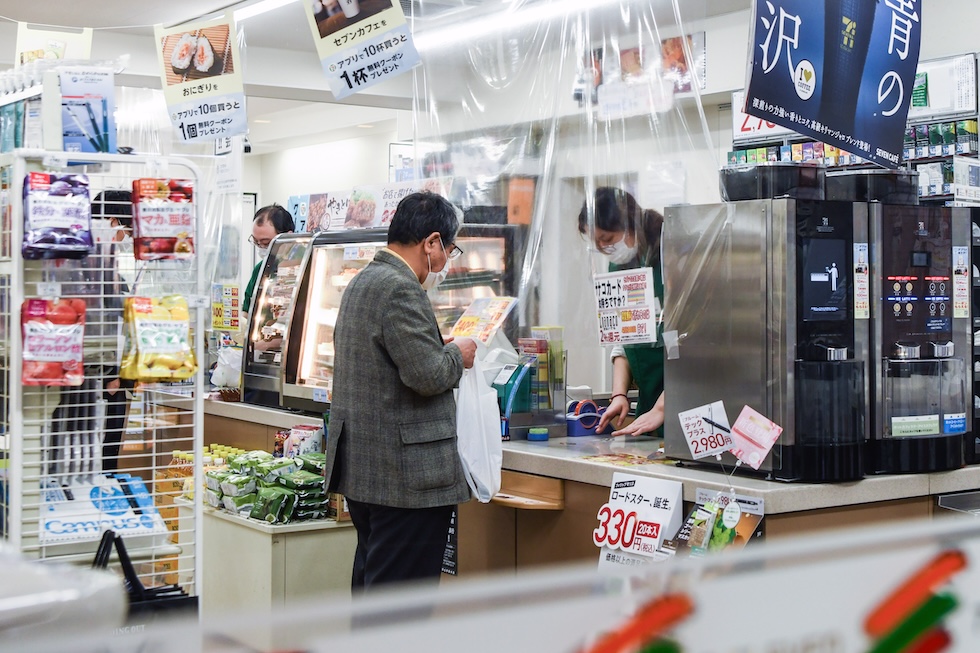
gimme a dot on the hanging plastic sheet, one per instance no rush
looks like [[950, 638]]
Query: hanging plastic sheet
[[536, 110]]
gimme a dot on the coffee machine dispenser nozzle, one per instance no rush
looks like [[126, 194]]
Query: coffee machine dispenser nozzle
[[942, 349]]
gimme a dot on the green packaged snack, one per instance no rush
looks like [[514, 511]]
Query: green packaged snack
[[213, 479], [213, 497], [270, 470], [313, 462], [302, 480], [241, 505], [247, 461], [236, 485], [270, 504], [307, 515], [312, 502]]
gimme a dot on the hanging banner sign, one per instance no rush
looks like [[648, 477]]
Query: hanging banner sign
[[838, 71], [627, 308], [51, 45], [360, 43], [202, 79]]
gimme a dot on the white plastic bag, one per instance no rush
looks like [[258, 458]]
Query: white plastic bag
[[478, 433]]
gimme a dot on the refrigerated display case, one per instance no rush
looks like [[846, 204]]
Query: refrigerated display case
[[487, 268], [268, 318]]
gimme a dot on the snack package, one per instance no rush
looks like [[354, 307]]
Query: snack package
[[158, 344], [213, 498], [53, 334], [57, 216], [213, 478], [270, 470], [272, 503], [313, 462], [163, 219], [241, 505], [302, 480], [245, 463], [282, 435], [303, 438], [237, 485]]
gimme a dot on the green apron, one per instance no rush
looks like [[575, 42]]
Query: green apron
[[647, 360]]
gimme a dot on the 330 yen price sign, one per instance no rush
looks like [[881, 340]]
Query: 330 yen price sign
[[623, 529]]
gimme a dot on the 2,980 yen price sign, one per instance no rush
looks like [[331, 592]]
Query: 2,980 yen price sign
[[706, 430], [623, 529]]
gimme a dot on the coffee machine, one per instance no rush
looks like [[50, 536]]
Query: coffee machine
[[920, 338], [766, 306]]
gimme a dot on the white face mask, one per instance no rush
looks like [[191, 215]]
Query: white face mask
[[263, 252], [433, 279], [619, 252]]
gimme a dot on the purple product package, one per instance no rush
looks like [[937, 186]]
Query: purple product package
[[57, 216]]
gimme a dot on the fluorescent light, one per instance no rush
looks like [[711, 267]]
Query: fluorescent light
[[366, 126], [257, 8], [501, 22], [260, 121]]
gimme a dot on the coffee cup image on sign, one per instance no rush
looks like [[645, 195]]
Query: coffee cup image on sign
[[350, 7]]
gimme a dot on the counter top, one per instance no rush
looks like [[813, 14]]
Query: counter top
[[577, 459], [275, 529]]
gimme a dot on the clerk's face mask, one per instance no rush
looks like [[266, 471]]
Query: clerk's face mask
[[433, 279], [619, 252]]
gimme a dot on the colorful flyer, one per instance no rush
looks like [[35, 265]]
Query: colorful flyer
[[753, 436], [961, 282], [374, 206], [837, 71], [200, 68], [483, 318], [641, 513], [226, 307], [360, 42], [862, 283], [627, 308]]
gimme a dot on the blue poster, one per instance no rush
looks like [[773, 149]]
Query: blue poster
[[298, 207], [840, 71]]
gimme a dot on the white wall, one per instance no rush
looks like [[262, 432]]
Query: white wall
[[338, 165]]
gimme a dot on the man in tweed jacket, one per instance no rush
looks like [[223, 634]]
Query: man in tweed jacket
[[391, 445]]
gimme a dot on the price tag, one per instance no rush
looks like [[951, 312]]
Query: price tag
[[55, 161], [706, 430], [49, 289], [640, 514], [731, 515], [753, 435], [320, 395]]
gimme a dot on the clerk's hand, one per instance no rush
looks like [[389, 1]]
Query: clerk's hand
[[468, 348], [648, 422], [618, 408]]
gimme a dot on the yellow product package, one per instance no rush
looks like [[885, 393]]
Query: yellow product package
[[158, 343]]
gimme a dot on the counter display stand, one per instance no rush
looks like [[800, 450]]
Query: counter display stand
[[62, 482]]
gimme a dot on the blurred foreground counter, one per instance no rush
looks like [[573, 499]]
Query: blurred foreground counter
[[551, 492]]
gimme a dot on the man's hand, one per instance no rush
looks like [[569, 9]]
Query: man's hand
[[468, 348]]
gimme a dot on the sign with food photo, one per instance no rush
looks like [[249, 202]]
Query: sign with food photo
[[202, 83]]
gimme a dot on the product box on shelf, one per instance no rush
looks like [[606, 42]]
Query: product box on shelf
[[785, 153], [337, 507]]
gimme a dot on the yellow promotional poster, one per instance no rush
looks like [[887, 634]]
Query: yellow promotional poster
[[200, 70], [360, 42], [34, 43]]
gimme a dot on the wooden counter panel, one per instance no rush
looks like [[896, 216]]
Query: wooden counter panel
[[794, 523]]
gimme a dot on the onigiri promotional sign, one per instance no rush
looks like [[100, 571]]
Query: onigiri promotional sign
[[200, 67], [839, 71], [360, 42]]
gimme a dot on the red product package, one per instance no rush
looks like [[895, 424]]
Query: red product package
[[163, 219], [53, 332]]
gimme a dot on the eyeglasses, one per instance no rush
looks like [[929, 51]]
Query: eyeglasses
[[261, 244], [454, 252]]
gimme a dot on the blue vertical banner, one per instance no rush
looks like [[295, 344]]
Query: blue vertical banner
[[840, 71]]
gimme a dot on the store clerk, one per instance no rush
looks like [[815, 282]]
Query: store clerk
[[630, 237], [269, 222]]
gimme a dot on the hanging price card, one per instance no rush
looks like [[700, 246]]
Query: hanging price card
[[706, 430], [640, 514]]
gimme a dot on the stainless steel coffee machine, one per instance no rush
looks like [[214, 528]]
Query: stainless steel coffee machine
[[767, 306]]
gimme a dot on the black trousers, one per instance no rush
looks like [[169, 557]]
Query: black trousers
[[398, 544]]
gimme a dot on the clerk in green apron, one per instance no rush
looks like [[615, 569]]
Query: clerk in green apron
[[269, 222], [630, 237]]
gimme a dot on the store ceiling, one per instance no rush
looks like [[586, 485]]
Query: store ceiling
[[274, 121]]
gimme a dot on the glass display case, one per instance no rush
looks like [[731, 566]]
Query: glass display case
[[268, 319], [486, 269]]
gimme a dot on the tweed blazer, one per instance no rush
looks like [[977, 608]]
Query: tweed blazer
[[391, 440]]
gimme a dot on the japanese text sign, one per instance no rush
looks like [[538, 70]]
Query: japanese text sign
[[706, 430], [641, 513], [200, 68], [753, 435], [361, 43], [628, 311], [841, 72]]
